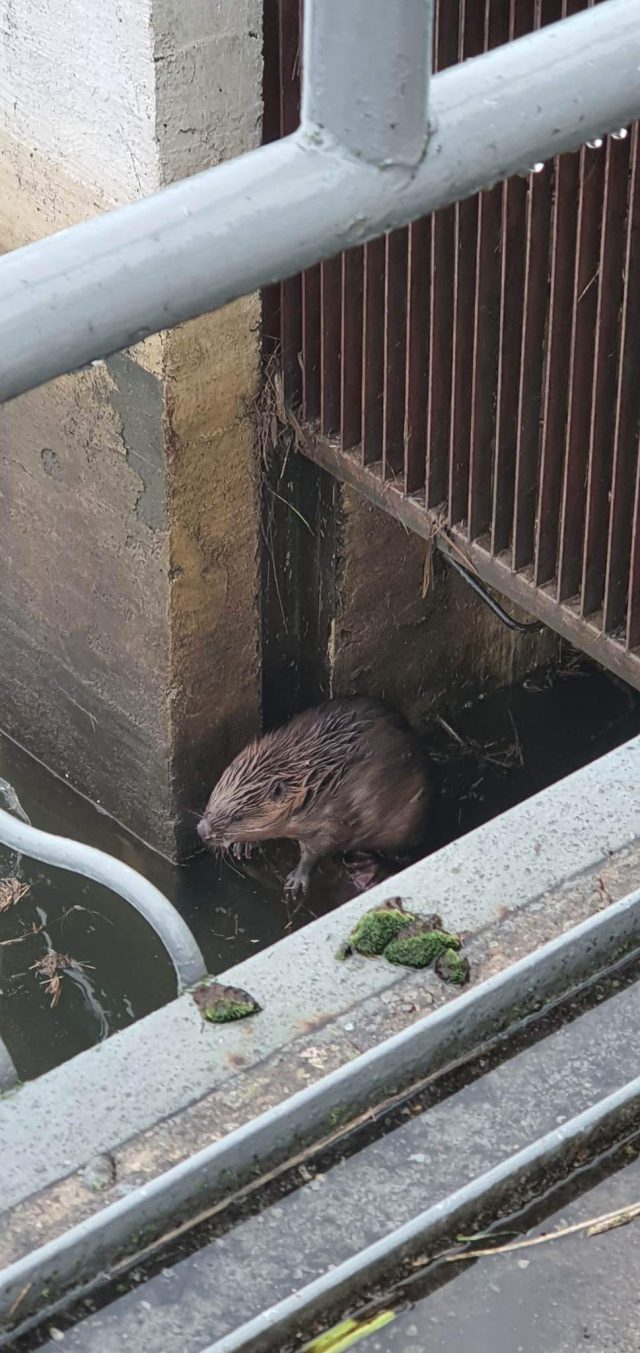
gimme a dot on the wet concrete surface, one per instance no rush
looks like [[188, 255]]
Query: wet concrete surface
[[488, 757], [340, 1206], [579, 1294]]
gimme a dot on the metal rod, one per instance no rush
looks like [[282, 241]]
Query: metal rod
[[89, 291], [453, 1031], [95, 864], [367, 66], [9, 1077]]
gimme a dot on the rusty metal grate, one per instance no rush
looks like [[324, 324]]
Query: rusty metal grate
[[475, 373]]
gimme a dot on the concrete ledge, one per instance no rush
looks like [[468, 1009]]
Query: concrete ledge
[[165, 1087]]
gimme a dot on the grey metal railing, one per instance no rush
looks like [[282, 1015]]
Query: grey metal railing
[[377, 146], [17, 832]]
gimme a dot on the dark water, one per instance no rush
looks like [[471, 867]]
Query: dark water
[[492, 755]]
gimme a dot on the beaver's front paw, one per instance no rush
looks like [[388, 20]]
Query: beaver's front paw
[[296, 885]]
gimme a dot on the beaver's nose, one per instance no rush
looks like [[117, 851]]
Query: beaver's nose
[[203, 830]]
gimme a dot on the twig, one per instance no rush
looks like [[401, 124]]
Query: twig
[[519, 757], [19, 1299], [76, 907], [292, 508], [451, 731], [36, 931], [427, 572], [595, 1226]]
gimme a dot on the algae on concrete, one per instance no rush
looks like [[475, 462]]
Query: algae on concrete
[[220, 1004], [453, 967], [376, 929], [421, 947]]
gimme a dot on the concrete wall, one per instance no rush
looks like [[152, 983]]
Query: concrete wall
[[128, 597], [77, 85], [419, 651]]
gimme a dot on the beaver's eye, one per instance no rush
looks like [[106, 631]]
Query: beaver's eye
[[278, 790]]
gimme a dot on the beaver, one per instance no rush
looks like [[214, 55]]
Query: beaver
[[350, 776]]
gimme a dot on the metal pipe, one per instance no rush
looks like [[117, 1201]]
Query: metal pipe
[[89, 291], [95, 864], [9, 1077], [481, 1014], [367, 65]]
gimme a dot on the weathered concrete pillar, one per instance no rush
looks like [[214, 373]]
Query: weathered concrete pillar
[[128, 495]]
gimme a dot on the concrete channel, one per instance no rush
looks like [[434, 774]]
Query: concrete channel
[[547, 897]]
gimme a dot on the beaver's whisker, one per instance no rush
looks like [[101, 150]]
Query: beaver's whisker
[[229, 861]]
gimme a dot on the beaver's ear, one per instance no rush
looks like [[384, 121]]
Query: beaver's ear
[[278, 789]]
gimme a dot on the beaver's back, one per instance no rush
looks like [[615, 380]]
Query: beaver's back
[[369, 786]]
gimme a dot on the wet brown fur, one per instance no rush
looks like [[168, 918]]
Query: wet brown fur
[[350, 775]]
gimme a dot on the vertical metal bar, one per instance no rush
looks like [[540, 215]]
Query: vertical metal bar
[[633, 605], [584, 311], [368, 64], [514, 214], [311, 306], [471, 40], [535, 309], [446, 35], [330, 343], [536, 295], [373, 356], [271, 131], [351, 366], [601, 434], [627, 416], [395, 351], [291, 290], [441, 351], [311, 343], [271, 82], [485, 362], [486, 323], [417, 375], [556, 368]]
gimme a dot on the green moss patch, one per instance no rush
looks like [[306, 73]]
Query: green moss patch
[[453, 967], [220, 1004], [376, 929], [406, 939], [420, 947]]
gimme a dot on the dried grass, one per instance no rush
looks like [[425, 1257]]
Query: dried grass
[[11, 891], [50, 970]]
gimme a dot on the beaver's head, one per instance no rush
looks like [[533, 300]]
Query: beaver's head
[[258, 797]]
